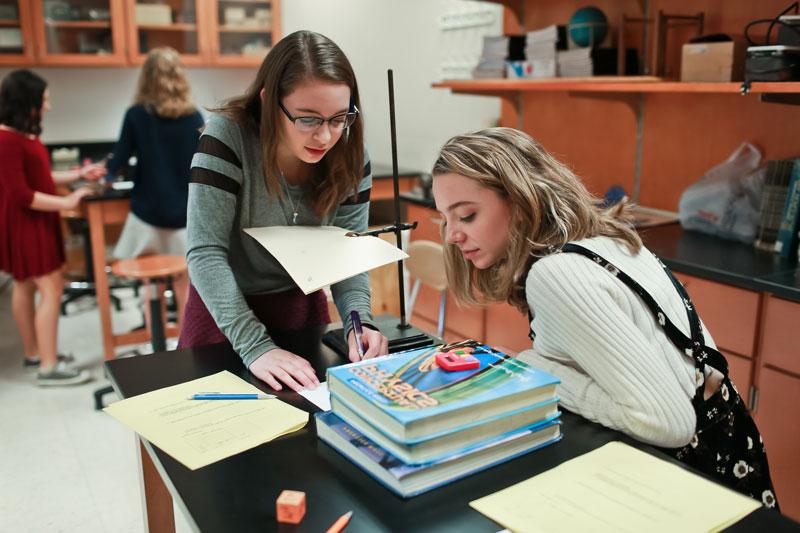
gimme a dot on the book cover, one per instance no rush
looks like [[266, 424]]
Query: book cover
[[410, 480], [408, 396]]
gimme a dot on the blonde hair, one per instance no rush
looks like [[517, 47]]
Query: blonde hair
[[549, 207], [163, 87]]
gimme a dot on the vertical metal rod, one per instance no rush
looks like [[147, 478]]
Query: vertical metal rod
[[396, 182]]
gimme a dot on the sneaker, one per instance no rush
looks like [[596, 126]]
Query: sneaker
[[61, 375], [32, 363]]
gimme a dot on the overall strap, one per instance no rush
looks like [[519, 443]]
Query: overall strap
[[693, 346]]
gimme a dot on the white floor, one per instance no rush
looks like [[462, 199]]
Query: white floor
[[63, 465]]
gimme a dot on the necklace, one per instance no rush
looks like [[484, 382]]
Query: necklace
[[295, 208]]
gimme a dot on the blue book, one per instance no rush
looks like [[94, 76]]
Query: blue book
[[410, 480], [407, 397], [786, 242]]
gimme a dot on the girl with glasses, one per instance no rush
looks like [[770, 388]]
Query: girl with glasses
[[290, 151], [609, 319]]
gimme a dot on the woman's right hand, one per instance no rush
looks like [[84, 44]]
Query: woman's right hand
[[279, 365], [74, 198]]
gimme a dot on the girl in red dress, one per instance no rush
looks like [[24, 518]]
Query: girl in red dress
[[31, 246]]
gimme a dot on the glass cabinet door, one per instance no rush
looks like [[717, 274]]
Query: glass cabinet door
[[79, 32], [16, 41], [174, 23], [243, 31]]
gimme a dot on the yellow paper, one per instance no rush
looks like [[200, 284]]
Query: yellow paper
[[201, 432], [616, 488], [316, 256]]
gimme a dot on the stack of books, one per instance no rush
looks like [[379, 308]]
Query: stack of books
[[541, 50], [414, 426], [575, 63], [492, 63], [778, 222]]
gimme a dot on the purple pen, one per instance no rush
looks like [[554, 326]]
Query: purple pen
[[354, 316]]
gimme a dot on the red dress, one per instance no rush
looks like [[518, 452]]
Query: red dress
[[31, 244]]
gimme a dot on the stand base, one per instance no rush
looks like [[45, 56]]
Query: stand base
[[399, 339]]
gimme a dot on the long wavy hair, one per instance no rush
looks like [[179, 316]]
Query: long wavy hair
[[549, 206], [21, 99], [163, 87], [298, 58]]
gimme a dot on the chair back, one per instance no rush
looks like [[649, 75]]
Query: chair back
[[425, 264]]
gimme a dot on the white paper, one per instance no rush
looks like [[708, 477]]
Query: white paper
[[320, 396], [317, 256]]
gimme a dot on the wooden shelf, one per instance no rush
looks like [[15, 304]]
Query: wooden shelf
[[9, 23], [612, 84], [181, 26], [245, 29], [78, 24]]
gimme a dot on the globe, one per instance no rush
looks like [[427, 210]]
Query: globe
[[588, 26]]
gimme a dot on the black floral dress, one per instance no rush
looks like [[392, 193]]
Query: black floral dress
[[726, 445]]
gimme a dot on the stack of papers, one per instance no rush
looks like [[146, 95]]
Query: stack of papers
[[492, 63], [541, 50], [575, 63], [200, 432], [616, 488]]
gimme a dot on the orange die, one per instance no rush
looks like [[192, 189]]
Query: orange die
[[291, 506]]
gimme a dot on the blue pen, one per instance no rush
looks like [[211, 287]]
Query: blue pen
[[226, 396], [358, 331]]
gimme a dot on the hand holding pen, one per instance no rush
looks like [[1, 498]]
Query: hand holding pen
[[365, 343]]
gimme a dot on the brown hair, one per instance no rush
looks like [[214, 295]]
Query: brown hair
[[300, 57], [163, 87], [549, 206], [21, 100]]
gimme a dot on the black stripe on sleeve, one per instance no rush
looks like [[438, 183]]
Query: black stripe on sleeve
[[361, 198], [212, 146], [215, 179], [367, 169]]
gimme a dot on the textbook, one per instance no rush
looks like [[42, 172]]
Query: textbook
[[407, 397], [440, 445], [411, 480]]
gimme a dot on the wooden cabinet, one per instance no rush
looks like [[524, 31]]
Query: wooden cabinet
[[79, 32], [16, 33], [179, 24], [778, 420], [729, 313], [780, 341], [241, 32]]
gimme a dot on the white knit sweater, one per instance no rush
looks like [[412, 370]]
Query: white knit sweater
[[616, 365]]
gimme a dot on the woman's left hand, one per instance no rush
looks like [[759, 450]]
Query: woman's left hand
[[374, 342]]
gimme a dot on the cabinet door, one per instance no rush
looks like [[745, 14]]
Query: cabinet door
[[79, 32], [729, 313], [16, 36], [779, 423], [780, 340], [179, 24], [242, 31]]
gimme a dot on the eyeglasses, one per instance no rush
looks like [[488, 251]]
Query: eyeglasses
[[336, 123]]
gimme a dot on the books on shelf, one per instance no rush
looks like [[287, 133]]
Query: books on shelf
[[773, 200], [787, 239], [541, 48], [410, 480], [414, 426], [408, 397]]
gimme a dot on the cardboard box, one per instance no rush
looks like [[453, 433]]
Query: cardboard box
[[153, 14], [723, 61]]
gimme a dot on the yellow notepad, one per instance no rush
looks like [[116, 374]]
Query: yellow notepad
[[616, 488], [201, 432]]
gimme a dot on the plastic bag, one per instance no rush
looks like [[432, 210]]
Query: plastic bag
[[725, 201]]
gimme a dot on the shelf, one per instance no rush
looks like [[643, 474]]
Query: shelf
[[181, 26], [613, 84], [245, 29], [9, 23], [78, 24]]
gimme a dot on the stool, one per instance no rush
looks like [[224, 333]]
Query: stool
[[151, 270]]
